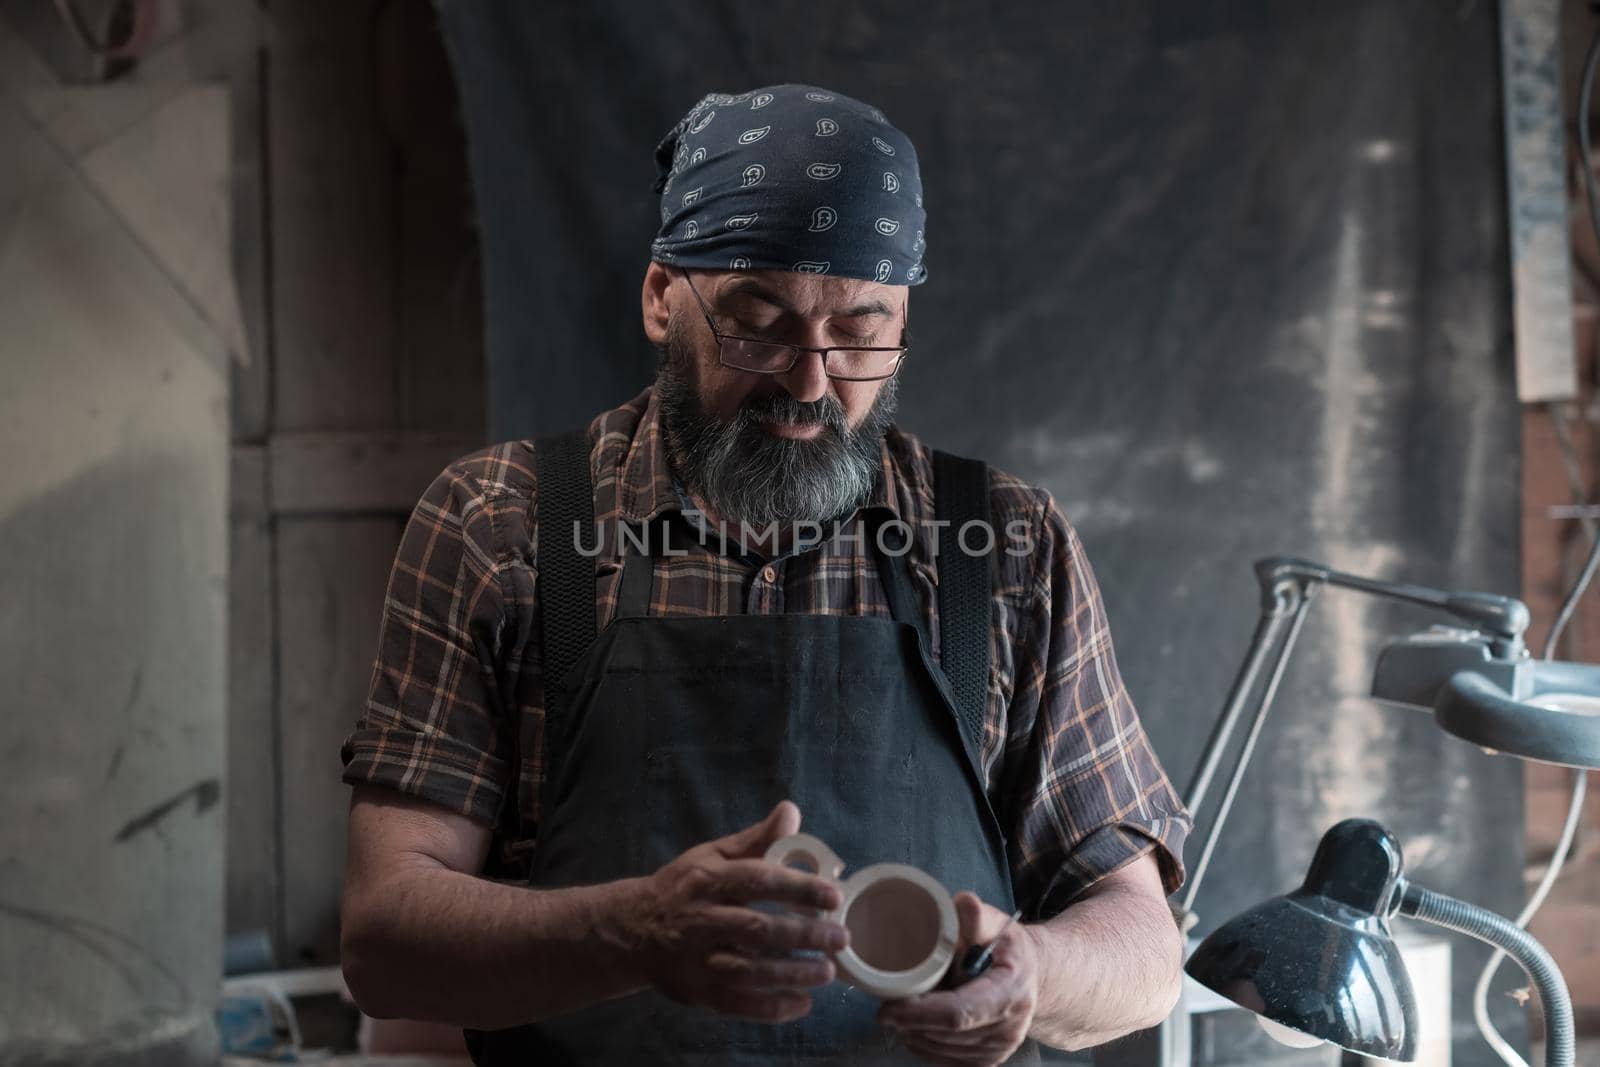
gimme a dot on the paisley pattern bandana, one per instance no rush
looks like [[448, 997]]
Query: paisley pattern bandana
[[790, 177]]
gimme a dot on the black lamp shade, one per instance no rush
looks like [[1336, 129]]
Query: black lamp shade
[[1321, 960]]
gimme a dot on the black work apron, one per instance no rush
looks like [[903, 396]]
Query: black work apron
[[675, 731]]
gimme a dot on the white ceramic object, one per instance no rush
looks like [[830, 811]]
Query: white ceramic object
[[902, 922]]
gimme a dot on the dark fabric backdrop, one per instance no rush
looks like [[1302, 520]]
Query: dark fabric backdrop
[[1228, 278]]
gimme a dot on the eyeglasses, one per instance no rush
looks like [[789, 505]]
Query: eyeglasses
[[843, 363]]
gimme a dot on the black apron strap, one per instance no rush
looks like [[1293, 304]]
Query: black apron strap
[[633, 592], [889, 549], [966, 586], [566, 576], [664, 535]]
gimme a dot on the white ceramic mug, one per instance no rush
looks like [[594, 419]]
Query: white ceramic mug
[[902, 922]]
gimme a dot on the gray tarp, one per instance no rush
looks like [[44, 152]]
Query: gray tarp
[[1229, 279]]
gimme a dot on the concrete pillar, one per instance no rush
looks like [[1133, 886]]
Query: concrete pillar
[[113, 508]]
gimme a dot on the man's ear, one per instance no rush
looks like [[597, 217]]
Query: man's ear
[[653, 301]]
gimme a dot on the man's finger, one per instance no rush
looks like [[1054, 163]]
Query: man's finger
[[767, 975], [934, 1050], [981, 1002], [752, 842], [929, 1052], [993, 1043], [747, 881], [957, 1042], [768, 932], [979, 923]]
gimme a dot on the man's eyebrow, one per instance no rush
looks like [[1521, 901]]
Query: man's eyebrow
[[752, 288], [871, 307]]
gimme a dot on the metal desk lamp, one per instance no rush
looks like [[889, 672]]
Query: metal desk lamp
[[1319, 963], [1482, 686]]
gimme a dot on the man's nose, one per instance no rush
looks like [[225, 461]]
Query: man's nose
[[806, 380]]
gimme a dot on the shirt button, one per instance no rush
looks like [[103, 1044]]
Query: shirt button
[[769, 574]]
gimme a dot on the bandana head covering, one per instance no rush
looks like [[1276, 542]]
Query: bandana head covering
[[790, 177]]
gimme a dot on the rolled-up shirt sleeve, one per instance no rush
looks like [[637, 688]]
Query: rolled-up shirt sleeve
[[434, 725], [1089, 795]]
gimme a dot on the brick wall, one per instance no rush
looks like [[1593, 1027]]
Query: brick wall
[[1553, 552]]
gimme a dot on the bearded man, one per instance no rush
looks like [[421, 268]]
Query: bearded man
[[616, 666]]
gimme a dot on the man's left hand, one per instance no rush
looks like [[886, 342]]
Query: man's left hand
[[985, 1020]]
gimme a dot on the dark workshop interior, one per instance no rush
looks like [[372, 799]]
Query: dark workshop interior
[[1283, 315]]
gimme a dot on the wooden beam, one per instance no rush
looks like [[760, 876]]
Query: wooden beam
[[345, 473], [1541, 281]]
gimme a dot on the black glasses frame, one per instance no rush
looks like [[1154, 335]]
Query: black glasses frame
[[796, 350]]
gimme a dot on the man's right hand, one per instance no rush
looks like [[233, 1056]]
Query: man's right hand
[[699, 942]]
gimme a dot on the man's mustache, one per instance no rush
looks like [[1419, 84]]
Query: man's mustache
[[781, 406]]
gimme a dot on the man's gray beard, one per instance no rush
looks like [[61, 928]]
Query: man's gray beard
[[746, 474]]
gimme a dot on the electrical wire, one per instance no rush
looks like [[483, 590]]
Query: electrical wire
[[1580, 778], [1569, 464], [1569, 604]]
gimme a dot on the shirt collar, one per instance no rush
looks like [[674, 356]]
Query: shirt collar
[[647, 484]]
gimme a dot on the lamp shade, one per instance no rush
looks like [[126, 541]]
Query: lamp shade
[[1543, 710], [1559, 722], [1321, 960]]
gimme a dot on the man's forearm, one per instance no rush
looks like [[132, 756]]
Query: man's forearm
[[450, 947], [1109, 964]]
